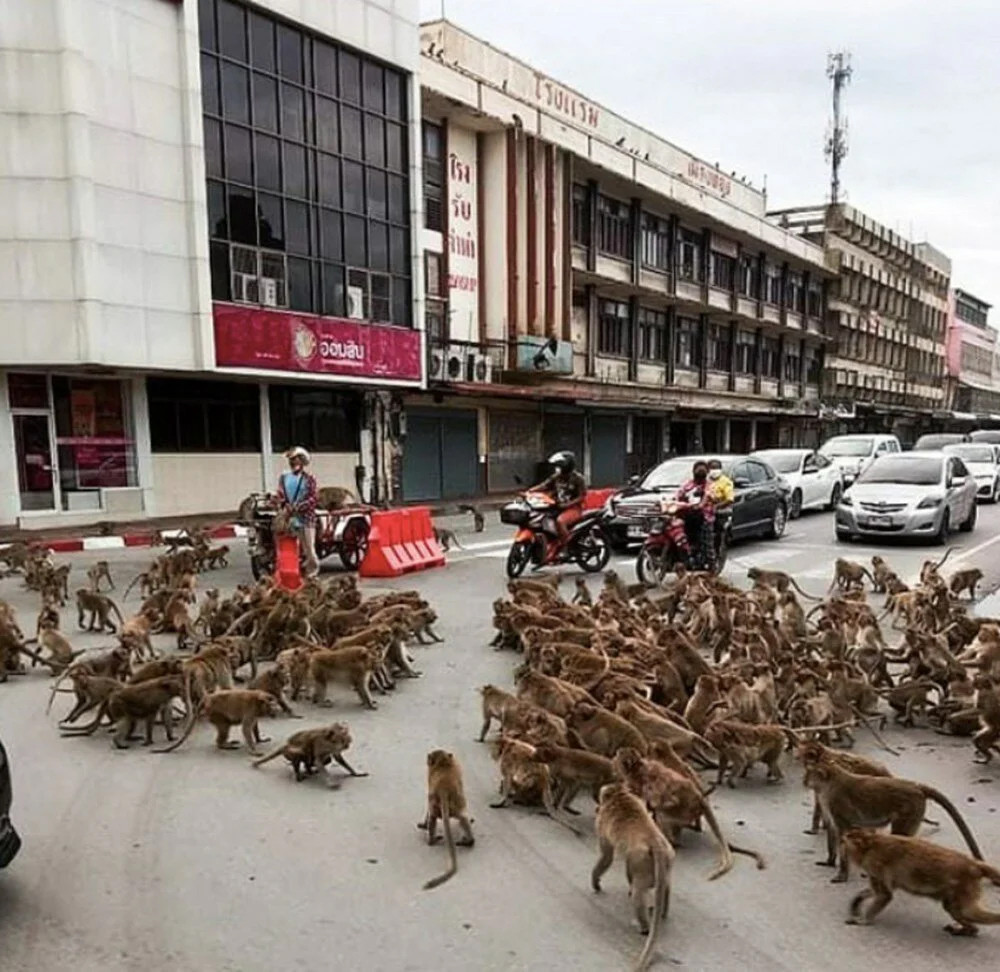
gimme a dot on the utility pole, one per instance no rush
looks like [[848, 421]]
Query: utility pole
[[838, 68]]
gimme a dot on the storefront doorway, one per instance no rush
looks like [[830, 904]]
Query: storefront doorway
[[33, 447]]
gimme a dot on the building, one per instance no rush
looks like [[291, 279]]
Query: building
[[209, 250], [592, 286], [973, 391], [888, 312]]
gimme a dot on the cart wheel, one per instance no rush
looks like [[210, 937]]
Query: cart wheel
[[354, 544]]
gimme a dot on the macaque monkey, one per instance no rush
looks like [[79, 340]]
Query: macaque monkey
[[573, 769], [445, 799], [965, 580], [159, 668], [478, 520], [216, 557], [227, 708], [847, 574], [624, 825], [446, 537], [60, 653], [333, 497], [921, 868], [881, 572], [98, 606], [988, 704], [604, 732], [311, 749], [112, 664], [741, 744], [810, 751], [777, 580], [496, 704], [582, 595], [354, 665], [274, 681], [98, 572], [91, 691]]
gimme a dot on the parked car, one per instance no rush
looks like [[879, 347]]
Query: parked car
[[851, 453], [985, 435], [914, 494], [815, 481], [10, 843], [760, 498], [938, 440], [983, 462]]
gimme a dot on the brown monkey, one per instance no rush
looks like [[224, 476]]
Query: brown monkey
[[91, 691], [604, 732], [310, 749], [446, 537], [848, 574], [988, 706], [159, 668], [354, 665], [810, 751], [274, 681], [582, 595], [778, 580], [445, 799], [227, 708], [97, 572], [922, 868], [572, 769], [216, 557], [654, 727], [112, 664], [60, 652], [965, 580], [848, 800], [706, 695], [333, 497], [478, 520], [881, 572], [98, 606], [740, 745], [496, 703], [624, 825]]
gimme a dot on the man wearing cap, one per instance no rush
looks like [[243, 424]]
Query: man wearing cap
[[297, 494]]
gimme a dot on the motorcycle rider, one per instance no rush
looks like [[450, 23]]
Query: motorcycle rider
[[700, 521], [297, 493], [721, 493], [569, 489]]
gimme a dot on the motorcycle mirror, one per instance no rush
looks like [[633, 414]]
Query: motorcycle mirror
[[741, 483], [634, 480]]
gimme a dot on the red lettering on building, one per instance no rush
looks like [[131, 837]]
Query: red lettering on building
[[551, 95], [709, 177]]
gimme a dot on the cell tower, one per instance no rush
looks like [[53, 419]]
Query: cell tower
[[838, 68]]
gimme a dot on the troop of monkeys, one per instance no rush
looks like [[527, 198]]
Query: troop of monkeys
[[613, 698]]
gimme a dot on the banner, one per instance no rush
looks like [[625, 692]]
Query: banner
[[252, 337]]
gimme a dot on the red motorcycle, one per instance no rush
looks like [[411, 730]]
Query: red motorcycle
[[667, 544], [537, 540]]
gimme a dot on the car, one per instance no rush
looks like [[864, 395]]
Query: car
[[10, 843], [938, 440], [914, 494], [815, 481], [992, 436], [983, 462], [851, 453], [760, 498]]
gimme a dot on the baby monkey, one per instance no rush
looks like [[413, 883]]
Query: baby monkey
[[445, 799]]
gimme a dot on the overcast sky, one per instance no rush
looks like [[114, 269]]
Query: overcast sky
[[745, 84]]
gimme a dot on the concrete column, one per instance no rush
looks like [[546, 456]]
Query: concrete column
[[266, 472], [753, 434], [10, 497], [143, 443], [725, 435]]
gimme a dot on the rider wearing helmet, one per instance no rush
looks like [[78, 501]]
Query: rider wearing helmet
[[697, 493], [297, 495], [569, 488]]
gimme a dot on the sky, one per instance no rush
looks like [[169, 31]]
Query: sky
[[744, 84]]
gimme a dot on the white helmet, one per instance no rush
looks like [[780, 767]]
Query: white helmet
[[299, 453]]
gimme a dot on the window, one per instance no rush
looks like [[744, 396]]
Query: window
[[772, 284], [581, 215], [758, 472], [792, 363], [612, 328], [688, 352], [723, 271], [298, 134], [188, 415], [436, 305], [719, 351], [745, 357], [652, 334], [749, 277], [433, 176], [655, 242], [813, 368], [689, 259], [613, 236], [795, 294], [322, 419], [770, 358]]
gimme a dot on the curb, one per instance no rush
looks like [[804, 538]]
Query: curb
[[77, 544]]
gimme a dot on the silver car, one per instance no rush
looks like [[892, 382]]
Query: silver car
[[982, 459], [911, 494]]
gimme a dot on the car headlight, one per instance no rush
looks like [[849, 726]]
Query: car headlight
[[929, 502]]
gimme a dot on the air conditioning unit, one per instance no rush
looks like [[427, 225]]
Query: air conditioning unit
[[245, 289], [482, 368], [456, 366], [269, 292], [356, 303], [437, 364]]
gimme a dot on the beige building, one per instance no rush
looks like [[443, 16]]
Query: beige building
[[592, 286]]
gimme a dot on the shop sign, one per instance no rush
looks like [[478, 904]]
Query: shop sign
[[252, 337]]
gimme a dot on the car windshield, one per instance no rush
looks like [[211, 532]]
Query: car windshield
[[674, 472], [971, 453], [986, 435], [909, 470], [782, 462], [936, 441], [848, 445]]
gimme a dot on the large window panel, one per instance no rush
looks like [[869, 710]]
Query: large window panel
[[328, 419], [233, 30], [239, 160], [262, 43], [265, 102], [189, 415], [210, 84], [268, 162], [235, 92]]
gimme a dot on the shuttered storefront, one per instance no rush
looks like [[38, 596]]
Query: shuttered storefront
[[440, 457], [607, 450], [515, 449]]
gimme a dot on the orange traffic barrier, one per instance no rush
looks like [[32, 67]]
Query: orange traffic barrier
[[401, 541], [288, 574], [596, 498]]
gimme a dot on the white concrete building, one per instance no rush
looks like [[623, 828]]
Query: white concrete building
[[208, 249]]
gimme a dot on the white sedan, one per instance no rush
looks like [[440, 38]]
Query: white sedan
[[982, 459], [815, 481]]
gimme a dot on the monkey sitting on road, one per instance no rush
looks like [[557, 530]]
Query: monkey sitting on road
[[445, 799], [311, 749]]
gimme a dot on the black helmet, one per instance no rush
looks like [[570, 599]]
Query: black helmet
[[563, 460]]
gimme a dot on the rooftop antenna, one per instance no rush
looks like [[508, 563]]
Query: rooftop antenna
[[838, 69]]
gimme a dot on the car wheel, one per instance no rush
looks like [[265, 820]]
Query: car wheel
[[835, 496], [970, 521], [995, 495], [795, 505], [941, 537], [779, 519]]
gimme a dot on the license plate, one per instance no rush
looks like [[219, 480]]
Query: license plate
[[880, 520], [636, 531]]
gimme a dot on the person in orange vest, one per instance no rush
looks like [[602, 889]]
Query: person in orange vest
[[297, 493]]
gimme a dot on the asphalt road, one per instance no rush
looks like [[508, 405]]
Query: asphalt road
[[195, 861]]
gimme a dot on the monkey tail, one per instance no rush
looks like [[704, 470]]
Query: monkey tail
[[118, 613], [759, 858], [939, 798], [274, 754], [704, 752], [55, 688], [660, 904], [91, 727], [990, 873], [725, 855], [947, 554], [867, 574], [450, 841], [795, 584], [135, 580], [193, 713]]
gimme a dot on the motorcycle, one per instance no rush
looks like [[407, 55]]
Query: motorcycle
[[667, 544], [344, 532], [537, 540]]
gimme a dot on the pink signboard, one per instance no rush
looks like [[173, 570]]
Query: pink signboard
[[252, 337]]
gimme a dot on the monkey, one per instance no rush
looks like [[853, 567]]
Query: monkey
[[159, 668], [810, 751], [881, 572], [988, 706], [604, 732], [654, 727], [216, 557], [848, 800], [848, 574], [478, 520], [445, 799], [135, 636], [112, 664], [740, 745], [226, 708], [310, 749], [333, 497], [907, 697], [922, 868], [777, 580], [91, 691], [446, 537], [965, 580], [96, 573], [136, 703], [553, 694], [295, 661], [929, 570], [572, 769], [706, 694], [582, 595], [98, 606], [624, 825], [354, 664], [274, 681], [61, 653], [496, 704]]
